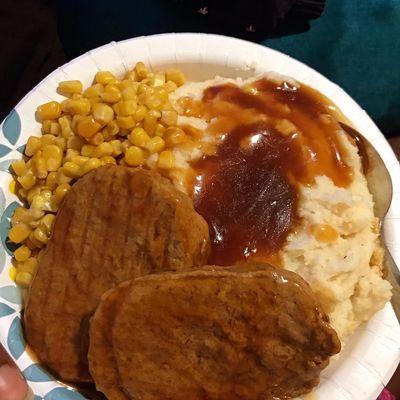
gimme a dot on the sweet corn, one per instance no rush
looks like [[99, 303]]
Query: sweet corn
[[88, 127], [111, 97], [170, 86], [87, 150], [51, 110], [126, 122], [29, 265], [61, 143], [62, 178], [22, 253], [160, 130], [71, 169], [125, 108], [70, 87], [12, 273], [27, 180], [51, 180], [32, 193], [75, 143], [47, 223], [139, 137], [19, 167], [112, 129], [140, 71], [102, 113], [61, 191], [93, 91], [117, 148], [23, 279], [169, 117], [52, 155], [104, 149], [129, 93], [175, 76], [40, 235], [105, 77], [32, 146], [46, 126], [166, 160], [134, 156], [55, 128], [33, 242], [174, 136], [19, 233], [159, 79], [65, 125], [80, 160], [140, 113], [47, 139], [79, 106], [40, 169], [155, 145], [108, 160], [89, 165]]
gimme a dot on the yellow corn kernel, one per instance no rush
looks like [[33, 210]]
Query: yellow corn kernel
[[129, 93], [32, 193], [160, 130], [169, 117], [47, 139], [94, 100], [51, 110], [141, 71], [20, 215], [88, 127], [61, 143], [70, 87], [52, 155], [75, 143], [87, 150], [105, 77], [166, 160], [140, 113], [51, 180], [75, 119], [19, 233], [159, 79], [55, 128], [89, 165], [93, 91], [32, 146], [170, 86], [79, 106], [62, 178], [19, 167], [29, 265], [108, 160], [174, 136], [12, 273], [80, 160], [65, 125], [71, 169], [27, 181], [61, 191], [175, 76], [139, 137], [155, 145], [134, 156], [117, 147], [23, 279], [47, 223], [102, 113], [46, 126], [111, 97], [111, 129], [324, 233], [126, 122], [22, 253], [125, 83], [12, 187], [125, 108], [40, 235], [97, 139], [39, 165], [33, 243], [76, 96], [104, 149]]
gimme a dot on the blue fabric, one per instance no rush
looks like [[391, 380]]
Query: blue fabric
[[356, 44]]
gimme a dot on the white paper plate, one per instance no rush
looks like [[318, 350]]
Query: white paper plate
[[372, 354]]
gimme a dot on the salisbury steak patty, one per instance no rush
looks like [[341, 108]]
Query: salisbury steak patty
[[115, 224], [252, 332]]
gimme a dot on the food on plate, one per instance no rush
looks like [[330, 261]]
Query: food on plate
[[115, 224], [247, 332], [138, 176]]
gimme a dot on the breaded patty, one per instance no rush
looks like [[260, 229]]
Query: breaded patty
[[250, 332], [115, 224]]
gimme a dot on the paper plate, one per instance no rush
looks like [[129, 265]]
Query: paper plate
[[373, 352]]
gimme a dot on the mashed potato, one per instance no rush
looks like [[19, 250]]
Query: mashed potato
[[345, 272]]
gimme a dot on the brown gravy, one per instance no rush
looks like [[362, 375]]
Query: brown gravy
[[271, 137]]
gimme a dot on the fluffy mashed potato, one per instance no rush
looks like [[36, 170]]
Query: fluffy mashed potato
[[345, 271]]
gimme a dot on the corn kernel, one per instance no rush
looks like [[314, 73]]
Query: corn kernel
[[23, 279], [87, 150], [175, 76], [134, 156], [166, 160], [105, 77], [51, 180], [40, 235], [12, 187], [155, 145], [71, 169], [159, 79], [19, 233], [22, 253], [89, 165], [129, 93], [170, 86], [97, 139], [75, 143], [78, 159], [19, 167], [117, 148], [47, 223], [93, 91], [111, 97], [140, 113], [29, 265], [126, 122], [46, 126], [79, 106], [27, 181], [32, 193], [104, 149], [12, 273], [70, 87], [88, 127], [61, 142], [47, 139], [55, 128], [32, 146], [112, 129], [65, 125], [62, 178], [61, 191], [139, 137], [76, 96], [51, 110], [141, 71], [174, 136], [75, 119], [33, 243], [169, 117], [40, 170], [108, 160], [52, 155], [324, 233], [102, 113]]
